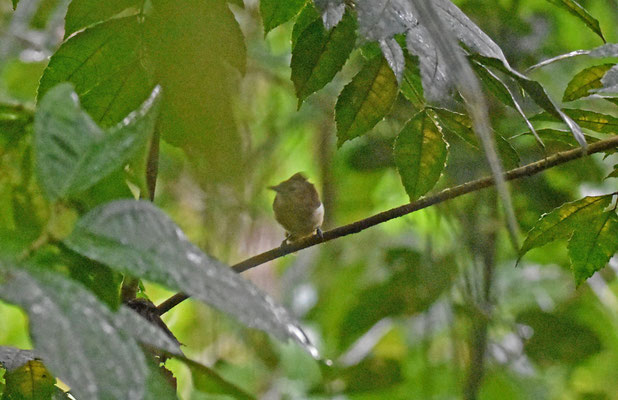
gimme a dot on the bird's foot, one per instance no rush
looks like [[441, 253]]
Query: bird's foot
[[319, 233]]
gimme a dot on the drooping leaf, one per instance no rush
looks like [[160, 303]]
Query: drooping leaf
[[420, 154], [72, 153], [332, 11], [276, 12], [83, 13], [593, 244], [365, 100], [602, 123], [76, 336], [562, 221], [137, 238], [461, 126], [585, 81], [30, 381], [319, 54], [104, 65], [580, 12]]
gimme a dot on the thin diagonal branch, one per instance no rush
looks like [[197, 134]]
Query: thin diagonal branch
[[446, 194]]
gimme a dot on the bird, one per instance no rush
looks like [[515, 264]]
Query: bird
[[298, 208]]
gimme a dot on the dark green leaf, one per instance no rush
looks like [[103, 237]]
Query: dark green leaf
[[562, 136], [593, 244], [137, 238], [72, 153], [209, 381], [580, 12], [306, 17], [365, 100], [411, 85], [585, 80], [15, 4], [320, 54], [30, 381], [76, 336], [83, 13], [104, 65], [276, 12], [562, 221], [420, 155]]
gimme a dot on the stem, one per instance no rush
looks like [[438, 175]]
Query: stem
[[424, 202]]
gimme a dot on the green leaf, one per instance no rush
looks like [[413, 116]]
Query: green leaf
[[15, 4], [104, 65], [365, 100], [76, 336], [72, 152], [83, 13], [420, 155], [461, 126], [209, 381], [135, 237], [306, 17], [30, 381], [580, 12], [411, 84], [562, 221], [594, 121], [593, 244], [584, 81], [614, 173], [562, 136], [276, 12], [320, 54]]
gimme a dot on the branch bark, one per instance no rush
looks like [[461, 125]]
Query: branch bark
[[446, 194]]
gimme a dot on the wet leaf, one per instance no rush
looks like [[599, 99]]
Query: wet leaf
[[593, 244], [135, 237], [365, 100]]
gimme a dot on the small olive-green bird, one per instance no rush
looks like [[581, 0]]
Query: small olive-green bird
[[298, 208]]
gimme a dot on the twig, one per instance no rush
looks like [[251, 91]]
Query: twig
[[446, 194]]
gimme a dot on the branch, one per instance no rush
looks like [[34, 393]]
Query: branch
[[446, 194]]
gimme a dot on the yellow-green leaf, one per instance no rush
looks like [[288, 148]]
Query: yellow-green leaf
[[584, 81], [31, 381], [593, 244], [365, 100], [580, 12], [562, 221], [420, 154]]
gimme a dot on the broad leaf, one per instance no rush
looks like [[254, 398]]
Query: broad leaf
[[602, 123], [420, 155], [306, 17], [562, 136], [77, 336], [30, 381], [104, 65], [83, 13], [365, 100], [137, 238], [72, 153], [276, 12], [562, 221], [332, 11], [580, 12], [319, 54], [411, 84], [585, 81], [593, 244]]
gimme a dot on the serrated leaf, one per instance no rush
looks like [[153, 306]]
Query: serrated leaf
[[276, 12], [366, 100], [12, 358], [332, 11], [411, 84], [104, 65], [420, 155], [562, 221], [594, 121], [580, 12], [320, 54], [461, 126], [307, 16], [76, 336], [585, 81], [83, 13], [593, 244], [392, 52], [135, 237], [30, 381], [72, 153]]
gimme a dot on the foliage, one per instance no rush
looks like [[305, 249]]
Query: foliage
[[202, 103]]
